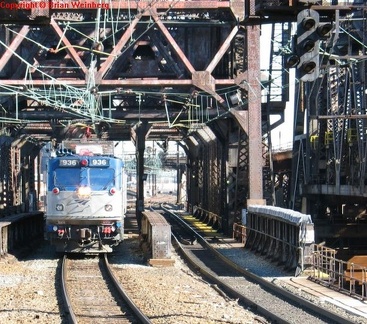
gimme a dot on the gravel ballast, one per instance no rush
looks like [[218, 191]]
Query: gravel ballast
[[29, 291]]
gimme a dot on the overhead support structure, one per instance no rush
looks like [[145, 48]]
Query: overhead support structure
[[171, 61], [140, 133], [256, 162], [164, 70]]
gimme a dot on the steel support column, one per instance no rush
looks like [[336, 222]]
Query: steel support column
[[211, 170], [5, 175], [254, 116], [192, 172], [141, 131]]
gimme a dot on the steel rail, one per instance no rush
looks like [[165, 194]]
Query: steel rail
[[265, 284], [72, 318], [69, 308], [138, 313]]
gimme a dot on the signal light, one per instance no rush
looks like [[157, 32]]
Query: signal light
[[324, 29], [55, 191], [292, 61], [112, 191], [308, 67], [310, 31], [308, 23], [84, 163], [308, 45]]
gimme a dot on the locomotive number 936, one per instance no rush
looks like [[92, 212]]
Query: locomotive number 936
[[85, 203]]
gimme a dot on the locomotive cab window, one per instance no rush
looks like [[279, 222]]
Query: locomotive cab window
[[66, 178], [101, 179]]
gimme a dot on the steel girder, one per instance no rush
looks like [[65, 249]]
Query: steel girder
[[17, 175], [207, 171], [165, 61], [238, 167], [218, 170], [180, 64], [6, 198]]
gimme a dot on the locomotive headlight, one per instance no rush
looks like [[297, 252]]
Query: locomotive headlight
[[108, 208], [54, 228], [84, 192], [59, 207]]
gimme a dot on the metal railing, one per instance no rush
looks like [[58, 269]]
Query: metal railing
[[239, 233], [345, 276], [208, 217]]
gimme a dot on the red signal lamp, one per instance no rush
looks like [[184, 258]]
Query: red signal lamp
[[84, 163], [55, 191]]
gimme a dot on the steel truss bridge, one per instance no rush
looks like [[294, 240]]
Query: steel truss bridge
[[189, 71]]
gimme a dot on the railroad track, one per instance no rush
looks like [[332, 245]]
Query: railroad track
[[262, 296], [93, 295]]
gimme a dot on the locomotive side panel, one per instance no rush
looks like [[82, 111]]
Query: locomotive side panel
[[85, 203]]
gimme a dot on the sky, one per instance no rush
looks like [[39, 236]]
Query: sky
[[283, 134]]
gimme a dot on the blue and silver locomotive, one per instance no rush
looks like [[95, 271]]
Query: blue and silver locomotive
[[85, 202]]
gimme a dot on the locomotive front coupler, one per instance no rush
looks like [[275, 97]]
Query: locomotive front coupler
[[84, 234]]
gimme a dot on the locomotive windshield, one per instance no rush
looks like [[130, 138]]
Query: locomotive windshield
[[67, 178], [101, 180], [72, 178]]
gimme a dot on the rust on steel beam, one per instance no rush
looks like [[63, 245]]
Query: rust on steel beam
[[205, 81], [201, 79], [13, 46], [223, 49], [117, 49], [254, 115], [69, 47], [339, 117], [146, 114], [252, 8], [168, 4], [147, 82], [241, 117], [172, 42]]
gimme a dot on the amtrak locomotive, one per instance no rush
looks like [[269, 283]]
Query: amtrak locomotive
[[85, 201]]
